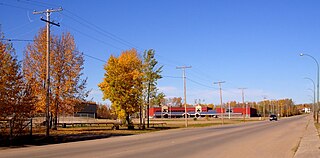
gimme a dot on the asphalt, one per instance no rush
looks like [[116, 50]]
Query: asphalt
[[309, 146]]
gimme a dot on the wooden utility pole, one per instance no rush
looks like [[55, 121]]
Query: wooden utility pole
[[264, 107], [185, 93], [47, 85], [243, 107], [222, 112]]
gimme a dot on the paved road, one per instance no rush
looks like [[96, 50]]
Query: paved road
[[258, 139]]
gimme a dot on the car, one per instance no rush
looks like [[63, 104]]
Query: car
[[273, 117]]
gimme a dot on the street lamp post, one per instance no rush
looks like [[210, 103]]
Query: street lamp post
[[302, 54], [314, 96]]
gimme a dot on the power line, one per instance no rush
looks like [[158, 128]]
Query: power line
[[30, 2], [100, 30], [19, 40], [87, 24], [95, 58], [170, 76], [105, 33], [28, 40], [14, 6], [89, 36], [201, 84], [44, 3]]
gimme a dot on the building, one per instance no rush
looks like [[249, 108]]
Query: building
[[87, 109], [198, 111]]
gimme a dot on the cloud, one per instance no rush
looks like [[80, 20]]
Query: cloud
[[170, 91], [95, 92]]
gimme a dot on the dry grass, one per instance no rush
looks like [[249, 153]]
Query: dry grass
[[201, 122], [318, 128]]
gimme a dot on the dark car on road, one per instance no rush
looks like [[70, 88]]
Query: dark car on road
[[273, 117]]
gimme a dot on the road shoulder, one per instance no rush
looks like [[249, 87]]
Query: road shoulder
[[310, 142]]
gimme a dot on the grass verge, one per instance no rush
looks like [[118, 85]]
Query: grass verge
[[318, 128]]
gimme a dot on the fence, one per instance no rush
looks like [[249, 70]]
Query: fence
[[14, 127]]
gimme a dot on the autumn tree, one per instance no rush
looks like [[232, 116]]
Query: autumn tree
[[122, 84], [175, 101], [67, 87], [103, 112], [16, 98], [159, 99], [151, 72]]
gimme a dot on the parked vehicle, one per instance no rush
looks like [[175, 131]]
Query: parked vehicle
[[273, 117]]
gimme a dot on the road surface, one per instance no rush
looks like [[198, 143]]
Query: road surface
[[255, 139]]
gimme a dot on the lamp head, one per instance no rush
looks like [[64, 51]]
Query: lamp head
[[301, 54]]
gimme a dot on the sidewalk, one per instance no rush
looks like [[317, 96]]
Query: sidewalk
[[309, 146]]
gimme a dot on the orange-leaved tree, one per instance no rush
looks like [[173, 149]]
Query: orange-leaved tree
[[16, 98], [66, 64], [122, 83]]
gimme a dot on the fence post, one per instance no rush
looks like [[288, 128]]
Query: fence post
[[11, 128], [30, 127]]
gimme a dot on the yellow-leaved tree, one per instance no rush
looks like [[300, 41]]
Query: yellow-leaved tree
[[122, 84]]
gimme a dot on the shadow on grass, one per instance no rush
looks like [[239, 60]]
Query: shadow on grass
[[37, 140], [40, 139]]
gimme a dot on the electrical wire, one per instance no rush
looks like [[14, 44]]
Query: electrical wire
[[89, 36], [14, 6], [92, 57], [100, 30], [165, 76], [18, 40], [201, 84], [111, 36], [88, 24], [44, 4], [30, 2]]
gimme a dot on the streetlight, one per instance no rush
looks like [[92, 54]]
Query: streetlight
[[302, 54], [314, 96]]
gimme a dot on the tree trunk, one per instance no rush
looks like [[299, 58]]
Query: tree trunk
[[130, 125], [55, 120], [140, 117]]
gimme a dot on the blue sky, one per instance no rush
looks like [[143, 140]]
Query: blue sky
[[248, 43]]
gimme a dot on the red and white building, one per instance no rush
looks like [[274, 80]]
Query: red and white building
[[198, 111]]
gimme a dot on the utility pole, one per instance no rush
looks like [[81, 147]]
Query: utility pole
[[264, 107], [222, 113], [278, 108], [185, 93], [148, 106], [243, 107], [48, 12]]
